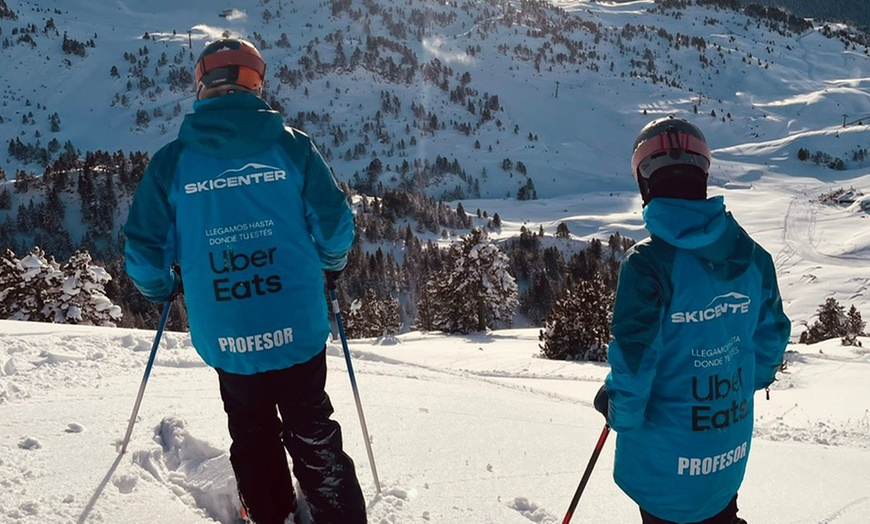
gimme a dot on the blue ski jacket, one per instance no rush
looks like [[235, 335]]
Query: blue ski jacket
[[253, 215], [697, 328]]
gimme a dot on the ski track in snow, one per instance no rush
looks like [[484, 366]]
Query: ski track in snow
[[496, 378], [201, 477], [36, 374], [858, 507], [802, 239]]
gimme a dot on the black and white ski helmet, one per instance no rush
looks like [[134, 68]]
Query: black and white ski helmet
[[669, 141]]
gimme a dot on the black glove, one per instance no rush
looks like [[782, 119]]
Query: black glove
[[179, 284], [602, 402], [331, 277]]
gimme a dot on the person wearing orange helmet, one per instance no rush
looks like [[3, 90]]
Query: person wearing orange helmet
[[697, 328], [251, 212], [227, 65]]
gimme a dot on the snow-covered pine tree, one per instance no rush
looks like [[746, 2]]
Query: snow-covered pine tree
[[11, 278], [79, 296], [474, 289], [31, 293], [372, 317], [578, 327]]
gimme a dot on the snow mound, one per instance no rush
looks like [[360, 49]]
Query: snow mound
[[199, 473]]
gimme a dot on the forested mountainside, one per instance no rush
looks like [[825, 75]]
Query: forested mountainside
[[855, 11], [433, 114]]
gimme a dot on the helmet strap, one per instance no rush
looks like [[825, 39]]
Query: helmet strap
[[643, 187]]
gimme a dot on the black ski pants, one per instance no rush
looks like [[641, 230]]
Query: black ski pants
[[325, 472], [726, 516]]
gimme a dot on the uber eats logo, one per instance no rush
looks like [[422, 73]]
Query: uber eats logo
[[236, 281], [720, 401]]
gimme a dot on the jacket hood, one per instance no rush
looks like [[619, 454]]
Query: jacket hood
[[704, 228], [233, 125]]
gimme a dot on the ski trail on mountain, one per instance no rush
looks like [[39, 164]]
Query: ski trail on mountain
[[863, 505], [803, 240], [495, 378]]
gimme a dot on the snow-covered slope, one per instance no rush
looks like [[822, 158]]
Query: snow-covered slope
[[472, 430]]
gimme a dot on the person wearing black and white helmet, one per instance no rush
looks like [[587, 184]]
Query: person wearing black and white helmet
[[676, 152]]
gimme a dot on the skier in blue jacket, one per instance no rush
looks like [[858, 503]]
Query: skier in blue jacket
[[253, 217], [697, 328]]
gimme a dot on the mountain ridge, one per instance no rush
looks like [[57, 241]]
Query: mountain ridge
[[436, 101]]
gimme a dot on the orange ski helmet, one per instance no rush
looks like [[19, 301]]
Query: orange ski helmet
[[230, 61]]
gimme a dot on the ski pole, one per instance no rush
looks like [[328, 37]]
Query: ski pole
[[587, 473], [330, 284], [160, 326]]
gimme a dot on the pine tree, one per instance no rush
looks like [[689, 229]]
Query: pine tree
[[539, 298], [5, 200], [79, 296], [474, 289], [831, 317], [854, 328], [372, 317], [11, 277], [27, 298], [7, 232], [832, 323], [578, 327], [137, 310], [389, 318], [425, 320]]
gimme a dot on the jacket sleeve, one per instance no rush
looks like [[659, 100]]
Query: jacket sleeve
[[774, 327], [633, 353], [150, 247], [329, 217]]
